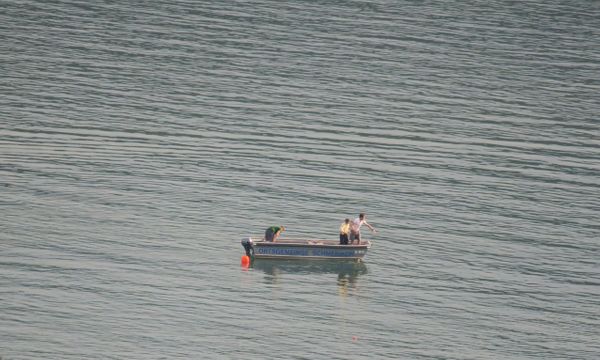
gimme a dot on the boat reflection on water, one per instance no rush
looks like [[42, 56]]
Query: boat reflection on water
[[347, 271]]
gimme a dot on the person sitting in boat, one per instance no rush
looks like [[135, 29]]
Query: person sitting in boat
[[273, 232], [355, 227], [344, 232]]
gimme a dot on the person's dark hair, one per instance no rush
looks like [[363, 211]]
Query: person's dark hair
[[347, 220], [361, 216]]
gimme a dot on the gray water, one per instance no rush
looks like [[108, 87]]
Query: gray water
[[140, 141]]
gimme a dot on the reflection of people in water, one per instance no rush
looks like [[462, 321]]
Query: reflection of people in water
[[347, 280], [273, 272], [342, 285]]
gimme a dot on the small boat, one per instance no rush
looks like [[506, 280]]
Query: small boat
[[304, 249]]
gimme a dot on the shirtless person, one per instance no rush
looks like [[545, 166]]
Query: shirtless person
[[355, 227]]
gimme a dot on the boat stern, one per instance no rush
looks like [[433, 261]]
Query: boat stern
[[248, 245]]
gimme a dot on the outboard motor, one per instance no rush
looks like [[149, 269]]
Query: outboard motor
[[248, 245]]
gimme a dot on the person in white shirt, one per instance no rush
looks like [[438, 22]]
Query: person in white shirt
[[355, 227]]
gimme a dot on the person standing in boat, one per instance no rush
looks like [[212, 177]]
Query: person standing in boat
[[273, 232], [356, 225], [344, 232]]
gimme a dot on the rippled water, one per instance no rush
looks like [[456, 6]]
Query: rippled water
[[140, 141]]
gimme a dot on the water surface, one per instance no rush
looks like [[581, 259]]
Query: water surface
[[139, 142]]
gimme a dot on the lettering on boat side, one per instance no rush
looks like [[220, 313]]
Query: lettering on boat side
[[308, 252], [283, 251]]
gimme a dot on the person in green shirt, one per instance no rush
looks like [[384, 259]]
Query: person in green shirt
[[273, 232]]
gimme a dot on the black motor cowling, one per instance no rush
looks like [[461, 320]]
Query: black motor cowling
[[248, 245]]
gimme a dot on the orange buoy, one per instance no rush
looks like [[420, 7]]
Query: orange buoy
[[245, 260]]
